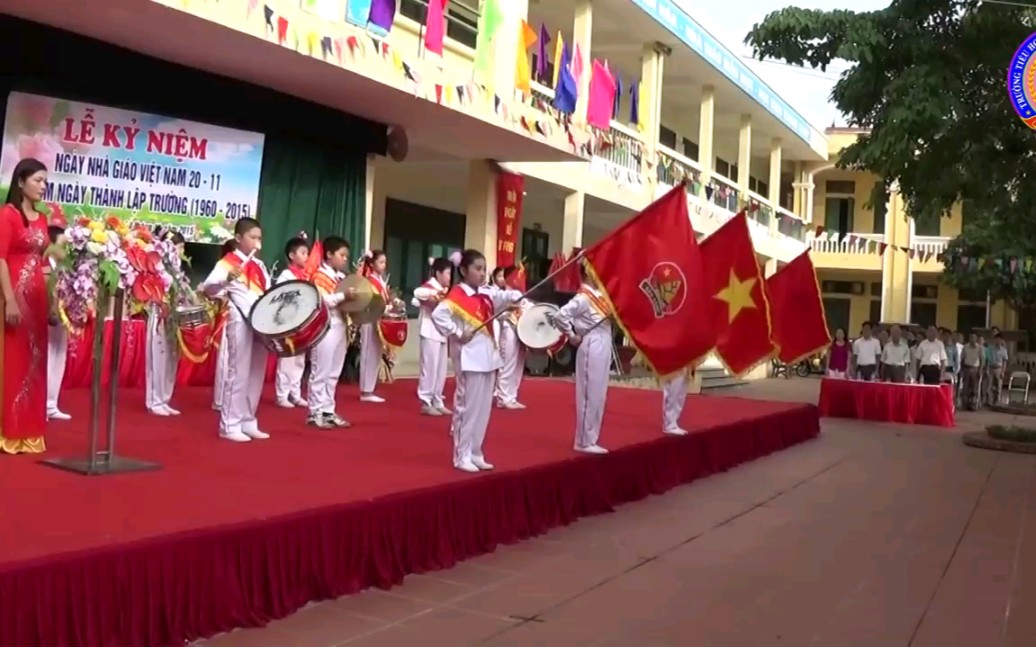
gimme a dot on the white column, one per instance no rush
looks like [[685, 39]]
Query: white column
[[572, 229], [480, 222], [707, 116], [744, 155]]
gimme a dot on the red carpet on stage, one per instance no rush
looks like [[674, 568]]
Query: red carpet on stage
[[230, 535]]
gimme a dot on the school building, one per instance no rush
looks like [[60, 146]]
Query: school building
[[399, 148]]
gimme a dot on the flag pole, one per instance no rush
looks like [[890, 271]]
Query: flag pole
[[575, 258]]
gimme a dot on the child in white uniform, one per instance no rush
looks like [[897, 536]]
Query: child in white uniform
[[374, 266], [57, 344], [161, 354], [290, 369], [328, 357], [221, 350], [512, 352], [433, 352], [674, 395], [586, 321], [465, 316], [244, 278]]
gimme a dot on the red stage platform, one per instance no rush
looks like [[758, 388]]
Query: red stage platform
[[230, 535]]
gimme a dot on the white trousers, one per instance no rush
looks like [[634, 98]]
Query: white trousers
[[57, 355], [326, 362], [674, 395], [432, 376], [593, 360], [243, 377], [221, 370], [472, 405], [509, 379], [370, 358], [289, 377], [160, 359]]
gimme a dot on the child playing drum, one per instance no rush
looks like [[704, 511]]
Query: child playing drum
[[243, 278], [433, 352], [290, 369], [161, 356], [586, 321], [512, 352], [57, 342], [328, 356], [374, 266], [466, 316]]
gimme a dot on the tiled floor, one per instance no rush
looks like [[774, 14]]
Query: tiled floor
[[873, 535]]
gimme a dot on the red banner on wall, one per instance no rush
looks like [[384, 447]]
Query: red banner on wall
[[510, 187]]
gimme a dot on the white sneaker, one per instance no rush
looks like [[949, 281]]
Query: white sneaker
[[337, 421], [430, 411], [320, 421], [171, 411], [467, 466], [516, 405], [284, 404], [58, 415], [592, 449], [299, 401], [236, 437], [676, 431], [443, 410], [255, 434], [370, 397], [159, 411], [481, 463]]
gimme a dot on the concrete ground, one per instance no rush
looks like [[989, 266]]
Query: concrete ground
[[873, 535]]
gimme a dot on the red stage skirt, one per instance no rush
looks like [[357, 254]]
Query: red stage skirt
[[132, 354], [913, 404]]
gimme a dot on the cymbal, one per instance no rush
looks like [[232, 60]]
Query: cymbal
[[364, 293], [372, 313]]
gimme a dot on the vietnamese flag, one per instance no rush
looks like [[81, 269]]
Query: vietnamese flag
[[516, 281], [799, 324], [736, 285], [650, 270]]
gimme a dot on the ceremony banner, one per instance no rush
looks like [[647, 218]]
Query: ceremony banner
[[191, 177], [510, 191]]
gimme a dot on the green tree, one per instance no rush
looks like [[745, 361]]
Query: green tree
[[929, 81]]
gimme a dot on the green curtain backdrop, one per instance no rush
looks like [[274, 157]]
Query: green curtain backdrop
[[308, 187]]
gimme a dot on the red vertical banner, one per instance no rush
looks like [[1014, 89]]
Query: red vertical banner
[[510, 187]]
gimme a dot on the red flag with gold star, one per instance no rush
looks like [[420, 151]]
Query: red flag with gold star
[[650, 271], [737, 287], [799, 324]]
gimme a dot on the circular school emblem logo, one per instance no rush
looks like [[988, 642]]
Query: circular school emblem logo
[[665, 288], [1021, 81]]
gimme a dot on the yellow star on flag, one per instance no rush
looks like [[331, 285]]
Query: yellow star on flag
[[737, 295]]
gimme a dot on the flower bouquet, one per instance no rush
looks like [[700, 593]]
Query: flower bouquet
[[102, 257]]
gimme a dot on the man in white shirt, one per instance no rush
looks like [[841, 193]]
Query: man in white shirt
[[866, 351], [895, 357], [931, 357]]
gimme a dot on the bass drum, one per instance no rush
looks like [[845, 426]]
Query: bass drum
[[290, 318], [563, 362], [537, 363]]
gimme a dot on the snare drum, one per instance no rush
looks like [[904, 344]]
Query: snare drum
[[290, 318], [392, 331], [191, 316], [537, 331]]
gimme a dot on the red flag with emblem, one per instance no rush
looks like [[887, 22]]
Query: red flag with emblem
[[650, 270], [736, 285]]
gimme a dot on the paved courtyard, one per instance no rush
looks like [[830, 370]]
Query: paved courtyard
[[872, 536]]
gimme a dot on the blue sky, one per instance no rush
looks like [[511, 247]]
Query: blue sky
[[807, 91]]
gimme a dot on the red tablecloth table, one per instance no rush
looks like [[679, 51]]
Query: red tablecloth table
[[132, 359], [912, 404]]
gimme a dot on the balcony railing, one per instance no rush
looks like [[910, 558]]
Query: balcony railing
[[930, 246], [764, 214], [849, 244], [673, 167], [791, 225], [723, 192], [622, 147]]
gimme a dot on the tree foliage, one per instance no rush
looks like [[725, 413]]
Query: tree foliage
[[929, 82]]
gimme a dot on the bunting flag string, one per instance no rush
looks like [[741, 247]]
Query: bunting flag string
[[453, 93]]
